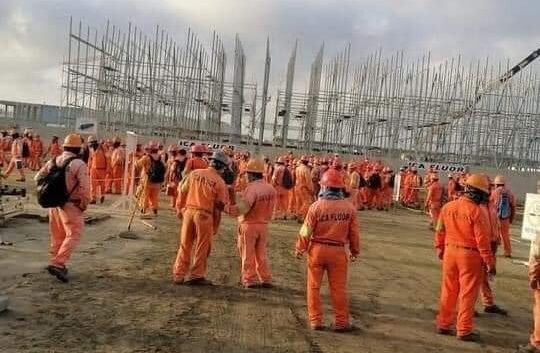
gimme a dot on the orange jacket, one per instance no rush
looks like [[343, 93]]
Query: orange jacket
[[204, 189], [259, 198], [330, 221], [98, 159], [303, 178], [37, 147], [463, 223]]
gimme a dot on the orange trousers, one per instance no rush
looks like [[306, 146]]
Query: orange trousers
[[151, 198], [434, 212], [117, 178], [252, 241], [97, 183], [65, 227], [291, 204], [505, 237], [353, 198], [304, 199], [280, 208], [195, 239], [370, 194], [333, 260], [35, 162], [535, 335], [461, 280]]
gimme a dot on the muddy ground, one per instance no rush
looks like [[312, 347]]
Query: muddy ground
[[121, 298]]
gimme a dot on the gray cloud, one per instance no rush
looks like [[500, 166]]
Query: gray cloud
[[33, 33]]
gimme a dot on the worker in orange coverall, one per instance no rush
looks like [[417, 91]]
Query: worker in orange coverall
[[433, 201], [280, 210], [204, 192], [462, 240], [36, 148], [414, 182], [303, 188], [17, 161], [488, 299], [118, 160], [387, 182], [292, 203], [330, 226], [150, 182], [54, 149], [255, 205], [66, 223], [98, 165], [353, 182], [196, 161], [504, 202], [452, 188]]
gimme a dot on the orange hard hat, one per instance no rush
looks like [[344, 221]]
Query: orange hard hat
[[478, 181], [255, 166], [281, 160], [499, 180], [73, 140], [332, 179], [198, 148]]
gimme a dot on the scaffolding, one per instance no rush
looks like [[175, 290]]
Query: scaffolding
[[415, 109]]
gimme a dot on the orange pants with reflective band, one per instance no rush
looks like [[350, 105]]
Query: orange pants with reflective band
[[333, 260], [65, 227], [252, 241], [195, 239], [535, 335], [434, 212], [461, 280], [505, 236]]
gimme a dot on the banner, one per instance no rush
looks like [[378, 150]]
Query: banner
[[86, 126], [531, 218], [440, 167], [397, 187], [215, 146]]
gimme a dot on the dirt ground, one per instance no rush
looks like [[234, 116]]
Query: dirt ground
[[121, 297]]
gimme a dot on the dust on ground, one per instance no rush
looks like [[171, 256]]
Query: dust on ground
[[121, 297]]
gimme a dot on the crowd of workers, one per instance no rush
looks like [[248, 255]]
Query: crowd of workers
[[471, 214]]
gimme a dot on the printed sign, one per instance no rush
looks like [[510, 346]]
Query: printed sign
[[86, 126], [440, 167], [531, 217], [213, 145]]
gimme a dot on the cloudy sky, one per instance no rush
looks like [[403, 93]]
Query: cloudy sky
[[33, 33]]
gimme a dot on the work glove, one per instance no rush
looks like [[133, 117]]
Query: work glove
[[298, 254], [494, 246], [352, 258], [534, 284], [491, 270], [440, 253]]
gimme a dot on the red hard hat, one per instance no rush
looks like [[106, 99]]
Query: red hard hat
[[332, 179], [198, 148]]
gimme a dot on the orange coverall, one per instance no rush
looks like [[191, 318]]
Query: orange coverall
[[280, 210], [118, 160], [54, 149], [16, 160], [150, 197], [204, 191], [452, 190], [485, 290], [505, 223], [292, 205], [194, 163], [259, 199], [36, 153], [352, 188], [462, 240], [434, 201], [66, 223], [330, 225], [98, 165], [303, 190]]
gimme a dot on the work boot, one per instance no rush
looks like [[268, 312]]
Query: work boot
[[267, 285], [93, 202], [179, 281], [155, 212], [102, 199], [476, 314], [444, 331], [21, 180], [527, 348], [251, 286], [59, 272], [343, 329], [470, 337], [199, 282], [494, 309], [316, 327], [508, 256]]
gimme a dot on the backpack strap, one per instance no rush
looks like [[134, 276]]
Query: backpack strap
[[64, 168]]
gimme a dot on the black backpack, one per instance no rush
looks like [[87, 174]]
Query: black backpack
[[25, 150], [287, 182], [51, 188], [362, 182], [374, 181], [156, 173], [229, 176]]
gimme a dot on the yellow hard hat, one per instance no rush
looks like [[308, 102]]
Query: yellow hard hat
[[478, 181], [73, 140], [255, 166], [499, 180]]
